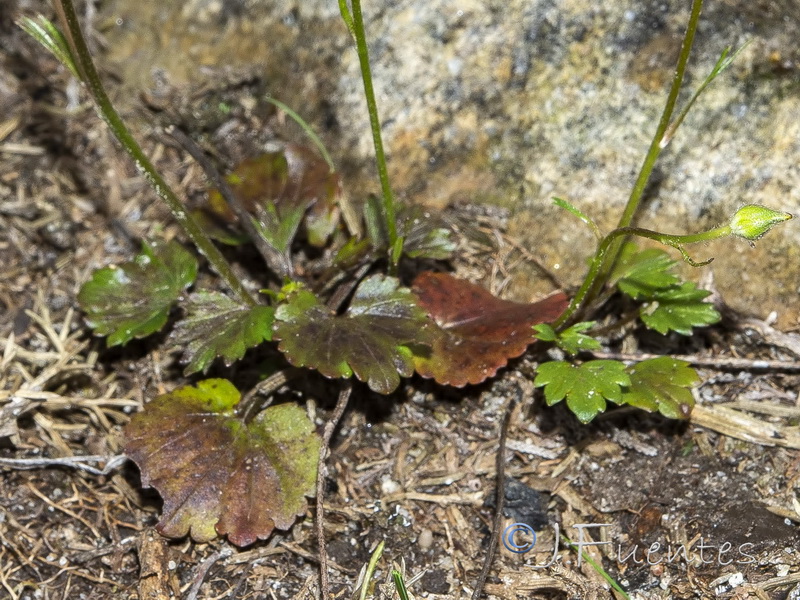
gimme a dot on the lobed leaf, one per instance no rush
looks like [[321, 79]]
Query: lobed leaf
[[586, 387], [679, 309], [662, 384], [639, 274], [216, 325], [669, 303], [133, 300], [371, 340], [218, 475], [571, 340], [291, 180], [477, 332]]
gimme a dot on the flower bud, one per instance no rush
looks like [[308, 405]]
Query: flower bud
[[753, 221]]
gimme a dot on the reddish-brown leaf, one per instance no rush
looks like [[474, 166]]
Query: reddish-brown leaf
[[217, 474], [478, 333]]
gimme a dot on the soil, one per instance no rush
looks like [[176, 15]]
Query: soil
[[718, 495]]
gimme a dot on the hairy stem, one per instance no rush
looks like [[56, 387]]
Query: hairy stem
[[612, 239], [598, 274], [85, 65]]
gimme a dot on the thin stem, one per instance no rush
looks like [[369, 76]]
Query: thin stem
[[725, 60], [357, 29], [582, 296], [500, 498], [330, 426], [596, 278], [85, 65], [347, 17], [655, 145]]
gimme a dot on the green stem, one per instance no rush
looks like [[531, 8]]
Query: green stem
[[582, 296], [655, 146], [594, 281], [90, 77], [356, 26], [308, 131]]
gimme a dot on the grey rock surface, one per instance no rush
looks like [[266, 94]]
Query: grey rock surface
[[513, 102]]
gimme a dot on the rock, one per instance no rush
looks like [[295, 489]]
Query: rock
[[513, 102]]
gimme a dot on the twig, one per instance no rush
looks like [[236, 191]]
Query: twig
[[341, 404], [343, 291], [203, 570], [76, 462], [268, 386], [88, 555], [275, 261], [500, 500], [743, 364]]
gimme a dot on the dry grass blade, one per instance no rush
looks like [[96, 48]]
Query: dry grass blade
[[744, 427]]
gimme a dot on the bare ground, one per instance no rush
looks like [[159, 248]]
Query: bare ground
[[416, 470]]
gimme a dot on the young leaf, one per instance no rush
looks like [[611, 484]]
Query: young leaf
[[679, 309], [425, 235], [662, 384], [218, 475], [639, 274], [292, 179], [371, 340], [133, 300], [571, 340], [216, 325], [477, 333], [279, 230], [50, 36], [586, 387]]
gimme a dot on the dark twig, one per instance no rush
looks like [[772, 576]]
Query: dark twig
[[274, 259], [500, 500], [268, 386], [344, 290], [341, 405]]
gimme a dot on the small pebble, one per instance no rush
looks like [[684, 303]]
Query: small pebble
[[425, 539]]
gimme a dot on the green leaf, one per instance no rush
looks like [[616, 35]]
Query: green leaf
[[571, 340], [216, 325], [370, 340], [217, 474], [279, 230], [662, 384], [639, 274], [561, 203], [679, 309], [425, 234], [133, 300], [50, 36], [586, 387], [373, 219]]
